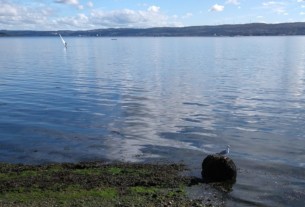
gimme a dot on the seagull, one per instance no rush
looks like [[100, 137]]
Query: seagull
[[64, 42], [224, 152]]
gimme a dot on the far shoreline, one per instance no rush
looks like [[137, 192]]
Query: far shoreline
[[225, 30]]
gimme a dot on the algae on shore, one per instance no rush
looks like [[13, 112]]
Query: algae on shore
[[94, 184]]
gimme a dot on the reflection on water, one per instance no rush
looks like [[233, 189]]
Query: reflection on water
[[140, 99]]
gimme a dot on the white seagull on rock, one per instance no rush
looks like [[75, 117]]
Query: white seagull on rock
[[224, 152]]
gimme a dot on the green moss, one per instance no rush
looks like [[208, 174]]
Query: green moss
[[80, 194], [54, 168], [64, 197], [92, 184], [107, 193], [87, 171], [115, 170], [4, 176], [28, 173], [143, 190], [176, 193], [21, 196]]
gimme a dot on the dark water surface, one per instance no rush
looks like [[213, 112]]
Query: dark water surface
[[139, 99]]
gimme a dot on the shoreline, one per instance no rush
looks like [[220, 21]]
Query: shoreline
[[99, 184]]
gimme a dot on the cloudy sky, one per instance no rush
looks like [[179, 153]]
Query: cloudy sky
[[93, 14]]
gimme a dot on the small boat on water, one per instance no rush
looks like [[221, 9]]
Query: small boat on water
[[63, 41]]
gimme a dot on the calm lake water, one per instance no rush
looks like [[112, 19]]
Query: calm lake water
[[175, 99]]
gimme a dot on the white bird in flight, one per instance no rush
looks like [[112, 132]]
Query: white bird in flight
[[63, 41], [224, 152]]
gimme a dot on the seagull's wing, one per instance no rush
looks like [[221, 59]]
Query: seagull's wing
[[223, 152], [63, 41]]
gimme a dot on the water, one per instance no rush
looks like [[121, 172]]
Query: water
[[142, 99]]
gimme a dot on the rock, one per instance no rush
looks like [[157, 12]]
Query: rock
[[218, 168]]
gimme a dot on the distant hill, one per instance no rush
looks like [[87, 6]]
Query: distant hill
[[254, 29]]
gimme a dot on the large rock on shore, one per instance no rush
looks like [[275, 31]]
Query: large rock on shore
[[218, 168]]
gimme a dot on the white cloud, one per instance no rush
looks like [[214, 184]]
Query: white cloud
[[90, 4], [18, 16], [302, 13], [80, 21], [235, 2], [131, 18], [276, 7], [153, 9], [272, 3], [217, 8], [8, 10], [71, 2], [187, 15]]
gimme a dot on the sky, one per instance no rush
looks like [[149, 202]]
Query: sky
[[96, 14]]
